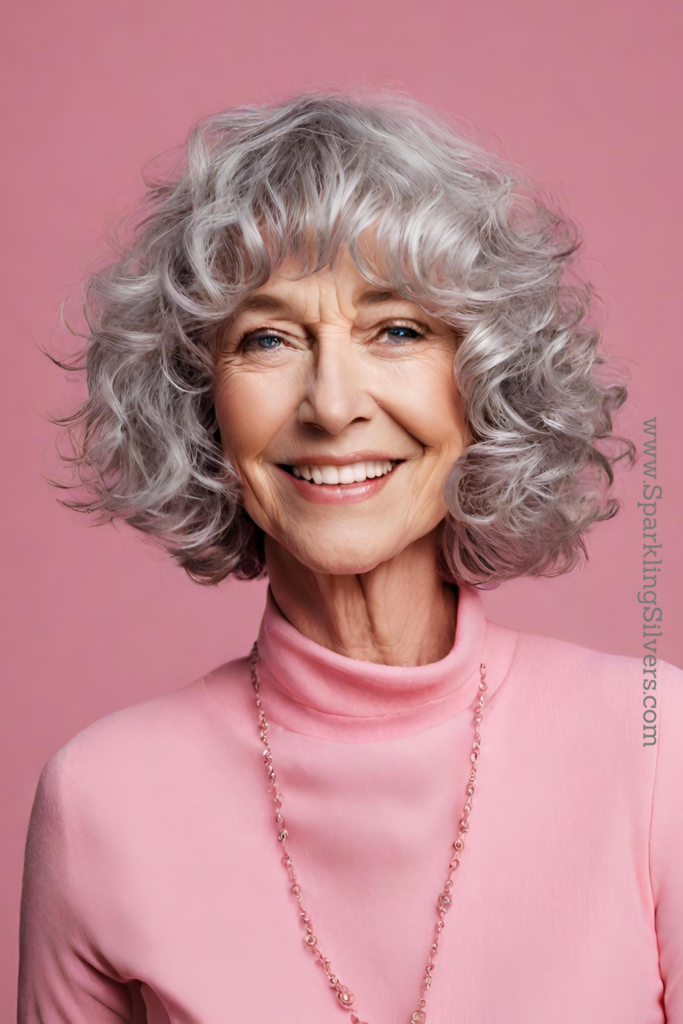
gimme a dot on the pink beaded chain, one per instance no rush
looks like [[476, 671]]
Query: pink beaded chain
[[345, 997]]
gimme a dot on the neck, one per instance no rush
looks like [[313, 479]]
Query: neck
[[401, 612]]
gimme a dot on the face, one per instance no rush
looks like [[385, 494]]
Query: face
[[338, 408]]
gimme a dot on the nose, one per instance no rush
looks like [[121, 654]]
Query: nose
[[336, 390]]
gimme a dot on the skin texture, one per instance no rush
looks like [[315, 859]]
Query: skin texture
[[334, 373]]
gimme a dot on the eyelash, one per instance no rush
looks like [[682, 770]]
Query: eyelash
[[263, 332]]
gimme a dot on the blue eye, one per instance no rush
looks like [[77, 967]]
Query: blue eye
[[255, 339], [268, 341], [409, 333]]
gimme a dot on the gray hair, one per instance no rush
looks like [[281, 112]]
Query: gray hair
[[461, 232]]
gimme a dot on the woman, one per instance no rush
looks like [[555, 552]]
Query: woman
[[341, 350]]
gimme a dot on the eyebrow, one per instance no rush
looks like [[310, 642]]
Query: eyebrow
[[261, 303]]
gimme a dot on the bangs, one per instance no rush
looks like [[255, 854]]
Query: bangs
[[408, 215]]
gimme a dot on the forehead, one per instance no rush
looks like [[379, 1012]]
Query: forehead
[[339, 285]]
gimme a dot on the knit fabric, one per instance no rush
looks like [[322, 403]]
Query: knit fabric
[[154, 888]]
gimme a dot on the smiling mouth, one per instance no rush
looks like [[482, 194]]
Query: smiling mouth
[[330, 475]]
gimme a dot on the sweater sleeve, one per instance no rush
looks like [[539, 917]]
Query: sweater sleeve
[[63, 976], [666, 840]]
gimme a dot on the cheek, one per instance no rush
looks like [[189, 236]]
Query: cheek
[[250, 409], [431, 410]]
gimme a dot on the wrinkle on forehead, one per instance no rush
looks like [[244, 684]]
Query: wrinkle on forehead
[[332, 294]]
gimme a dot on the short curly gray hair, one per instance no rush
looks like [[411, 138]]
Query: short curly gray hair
[[460, 231]]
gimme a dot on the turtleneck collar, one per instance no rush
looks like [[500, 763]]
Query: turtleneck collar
[[310, 689]]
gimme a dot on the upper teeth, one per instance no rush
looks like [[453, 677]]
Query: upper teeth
[[354, 472]]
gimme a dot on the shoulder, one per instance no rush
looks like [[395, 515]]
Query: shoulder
[[127, 757], [620, 700], [665, 712], [581, 668], [611, 722], [556, 651], [138, 729], [110, 803]]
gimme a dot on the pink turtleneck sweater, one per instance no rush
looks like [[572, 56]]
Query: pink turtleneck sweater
[[154, 889]]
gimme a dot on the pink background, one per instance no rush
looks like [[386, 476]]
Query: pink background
[[584, 95]]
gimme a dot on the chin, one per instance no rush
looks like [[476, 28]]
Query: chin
[[342, 563]]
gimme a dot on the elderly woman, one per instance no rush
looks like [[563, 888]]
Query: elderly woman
[[341, 350]]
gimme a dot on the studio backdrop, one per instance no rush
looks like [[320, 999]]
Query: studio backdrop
[[584, 96]]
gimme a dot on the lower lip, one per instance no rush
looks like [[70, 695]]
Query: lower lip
[[338, 494]]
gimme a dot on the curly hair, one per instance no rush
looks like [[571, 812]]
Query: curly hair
[[460, 231]]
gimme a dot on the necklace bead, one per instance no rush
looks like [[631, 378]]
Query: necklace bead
[[345, 997]]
